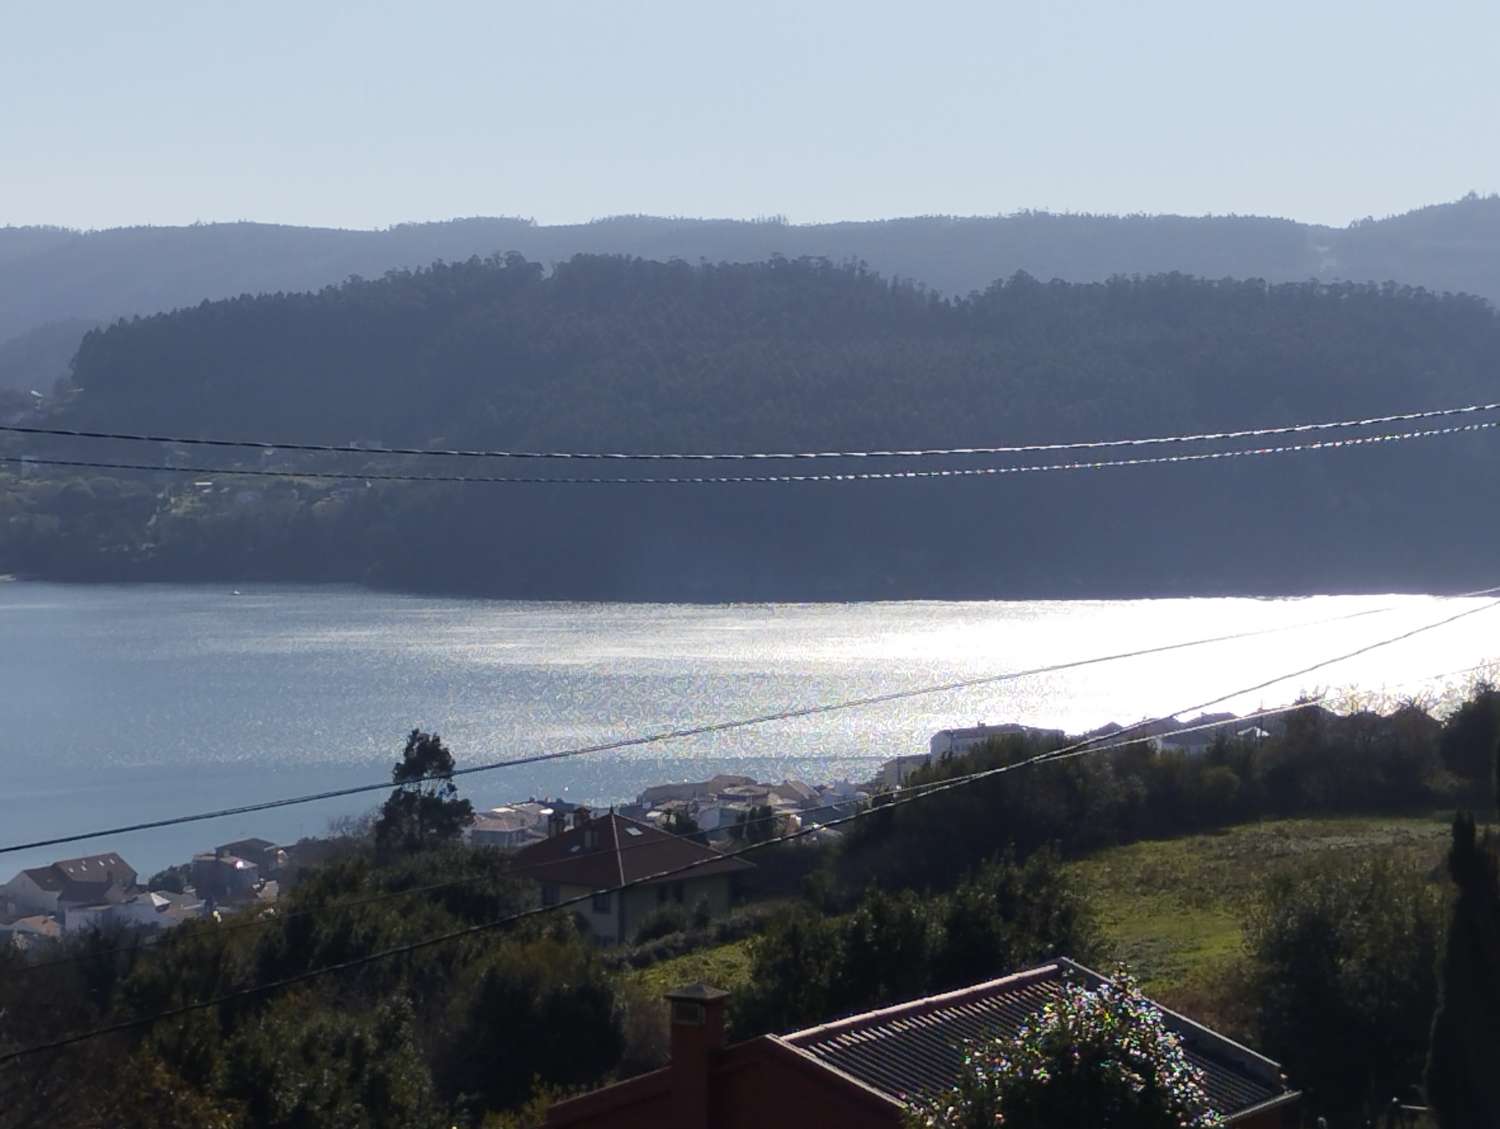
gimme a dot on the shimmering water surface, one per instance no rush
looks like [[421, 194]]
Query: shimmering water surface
[[122, 704]]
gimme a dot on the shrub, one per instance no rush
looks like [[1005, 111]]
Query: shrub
[[662, 923], [1099, 1057], [1344, 974]]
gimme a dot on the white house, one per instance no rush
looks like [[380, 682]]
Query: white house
[[90, 880], [951, 742], [502, 827]]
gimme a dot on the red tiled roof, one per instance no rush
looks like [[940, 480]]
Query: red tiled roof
[[624, 850]]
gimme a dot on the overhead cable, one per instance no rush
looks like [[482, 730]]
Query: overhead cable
[[899, 800], [752, 456], [271, 917], [771, 479], [529, 870], [684, 732]]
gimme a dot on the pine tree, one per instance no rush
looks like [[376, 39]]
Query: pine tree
[[424, 810]]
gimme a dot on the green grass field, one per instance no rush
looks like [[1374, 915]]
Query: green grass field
[[1173, 910], [724, 966]]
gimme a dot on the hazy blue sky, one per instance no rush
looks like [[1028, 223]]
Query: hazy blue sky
[[361, 115]]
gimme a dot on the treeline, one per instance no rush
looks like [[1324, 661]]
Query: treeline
[[810, 966], [443, 1034], [616, 354], [1321, 763]]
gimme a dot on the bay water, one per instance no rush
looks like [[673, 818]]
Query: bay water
[[124, 704]]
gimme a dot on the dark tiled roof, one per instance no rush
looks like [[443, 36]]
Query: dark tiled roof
[[106, 868], [241, 846], [46, 878], [916, 1049], [624, 851]]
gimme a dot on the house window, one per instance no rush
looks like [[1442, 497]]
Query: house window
[[602, 902], [677, 892], [549, 893], [661, 895]]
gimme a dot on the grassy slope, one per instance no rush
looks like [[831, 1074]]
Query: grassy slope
[[1170, 909], [1173, 909], [724, 966]]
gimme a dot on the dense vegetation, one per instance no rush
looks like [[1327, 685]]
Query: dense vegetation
[[809, 965], [1321, 763], [621, 354]]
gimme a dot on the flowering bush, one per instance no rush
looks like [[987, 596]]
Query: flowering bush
[[1092, 1059]]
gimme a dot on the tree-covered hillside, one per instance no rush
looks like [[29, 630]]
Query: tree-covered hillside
[[618, 354], [48, 274]]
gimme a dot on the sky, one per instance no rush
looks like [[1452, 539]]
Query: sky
[[368, 114]]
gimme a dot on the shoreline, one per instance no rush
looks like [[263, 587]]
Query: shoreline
[[244, 587]]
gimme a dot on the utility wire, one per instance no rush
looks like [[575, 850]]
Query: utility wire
[[1083, 746], [771, 479], [754, 456], [1078, 749], [680, 733], [529, 869], [245, 921]]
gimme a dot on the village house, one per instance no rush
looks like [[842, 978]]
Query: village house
[[953, 742], [601, 852], [659, 794], [504, 827], [895, 772], [91, 880], [716, 805], [268, 858], [224, 877], [864, 1072], [42, 903], [30, 932]]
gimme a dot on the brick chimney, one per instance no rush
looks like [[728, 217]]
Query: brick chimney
[[697, 1038], [581, 816]]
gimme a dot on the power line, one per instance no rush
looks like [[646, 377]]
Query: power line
[[524, 915], [683, 732], [755, 456], [529, 869], [1082, 746], [1078, 749], [771, 479]]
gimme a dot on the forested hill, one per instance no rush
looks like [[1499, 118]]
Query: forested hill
[[616, 354], [52, 274]]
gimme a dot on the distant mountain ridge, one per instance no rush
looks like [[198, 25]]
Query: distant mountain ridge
[[50, 274]]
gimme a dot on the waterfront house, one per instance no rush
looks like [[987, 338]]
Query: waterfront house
[[267, 856], [659, 794], [502, 827], [224, 878], [90, 880], [866, 1071], [601, 852], [952, 742]]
